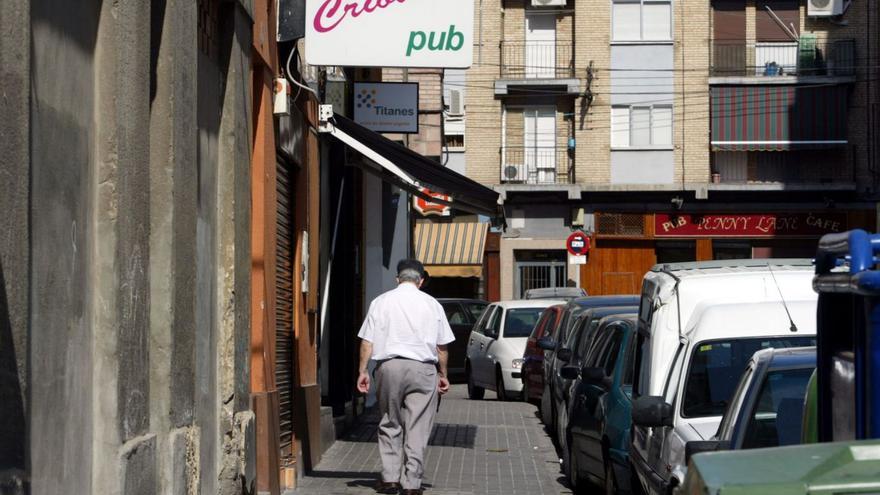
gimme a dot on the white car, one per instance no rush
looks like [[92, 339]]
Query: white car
[[699, 325], [496, 346]]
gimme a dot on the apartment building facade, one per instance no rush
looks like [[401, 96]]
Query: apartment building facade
[[668, 129]]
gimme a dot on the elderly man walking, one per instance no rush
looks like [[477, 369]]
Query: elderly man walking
[[406, 333]]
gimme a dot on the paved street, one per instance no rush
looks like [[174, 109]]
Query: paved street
[[478, 447]]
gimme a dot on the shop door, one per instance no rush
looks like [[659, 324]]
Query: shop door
[[540, 144], [539, 275], [540, 44], [284, 273]]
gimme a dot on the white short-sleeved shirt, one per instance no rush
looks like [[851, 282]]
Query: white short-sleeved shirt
[[405, 322]]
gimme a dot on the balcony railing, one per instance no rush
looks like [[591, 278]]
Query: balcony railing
[[537, 165], [537, 59], [807, 57]]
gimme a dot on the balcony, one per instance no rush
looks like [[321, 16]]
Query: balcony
[[543, 64], [779, 62], [788, 170], [536, 165]]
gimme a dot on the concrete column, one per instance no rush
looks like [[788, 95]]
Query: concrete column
[[173, 205], [121, 209], [232, 310], [62, 274], [14, 240]]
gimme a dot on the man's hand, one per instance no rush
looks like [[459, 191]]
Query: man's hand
[[363, 382], [443, 385]]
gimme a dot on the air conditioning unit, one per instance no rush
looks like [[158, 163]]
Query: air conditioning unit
[[513, 173], [826, 8], [456, 103], [548, 3]]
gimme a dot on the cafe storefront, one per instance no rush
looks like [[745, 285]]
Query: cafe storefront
[[627, 245]]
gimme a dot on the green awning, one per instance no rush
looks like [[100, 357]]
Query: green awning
[[777, 118]]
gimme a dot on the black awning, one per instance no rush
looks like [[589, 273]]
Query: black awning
[[467, 195]]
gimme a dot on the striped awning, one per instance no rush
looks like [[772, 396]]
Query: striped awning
[[776, 118], [451, 249]]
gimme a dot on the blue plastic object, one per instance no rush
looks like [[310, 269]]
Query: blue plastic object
[[850, 300]]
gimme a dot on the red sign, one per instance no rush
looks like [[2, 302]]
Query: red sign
[[426, 207], [578, 243], [749, 225]]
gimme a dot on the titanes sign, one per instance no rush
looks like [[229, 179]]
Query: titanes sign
[[387, 107], [749, 225], [390, 33]]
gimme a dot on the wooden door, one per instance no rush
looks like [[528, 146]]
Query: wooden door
[[617, 266]]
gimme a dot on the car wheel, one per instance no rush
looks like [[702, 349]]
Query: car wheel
[[499, 386], [610, 479], [545, 408], [561, 425], [570, 467], [474, 392]]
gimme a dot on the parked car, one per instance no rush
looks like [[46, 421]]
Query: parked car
[[462, 315], [533, 357], [496, 345], [573, 353], [767, 408], [699, 325], [551, 342], [598, 433], [841, 403], [564, 293]]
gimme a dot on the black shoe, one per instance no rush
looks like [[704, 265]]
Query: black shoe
[[388, 487], [412, 491]]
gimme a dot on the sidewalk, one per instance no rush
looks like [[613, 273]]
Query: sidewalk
[[477, 447]]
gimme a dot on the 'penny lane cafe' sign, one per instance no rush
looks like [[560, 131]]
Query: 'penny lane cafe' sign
[[749, 225], [390, 33]]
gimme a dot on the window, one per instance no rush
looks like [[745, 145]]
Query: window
[[776, 419], [521, 321], [716, 368], [475, 309], [493, 326], [455, 314], [483, 322], [454, 142], [612, 352], [629, 365], [641, 126], [641, 20]]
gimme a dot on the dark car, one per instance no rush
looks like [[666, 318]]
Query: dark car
[[462, 314], [551, 342], [600, 409], [573, 353], [768, 406], [566, 293], [533, 357]]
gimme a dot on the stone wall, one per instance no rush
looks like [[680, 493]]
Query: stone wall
[[124, 248]]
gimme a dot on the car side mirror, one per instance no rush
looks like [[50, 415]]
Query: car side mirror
[[651, 411], [592, 375], [492, 334], [569, 372], [547, 343], [699, 446], [564, 355]]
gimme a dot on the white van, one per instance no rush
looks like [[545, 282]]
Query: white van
[[699, 325]]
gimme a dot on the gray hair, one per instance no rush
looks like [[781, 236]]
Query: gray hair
[[409, 275]]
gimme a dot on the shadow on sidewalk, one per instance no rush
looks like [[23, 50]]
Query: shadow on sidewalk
[[443, 435]]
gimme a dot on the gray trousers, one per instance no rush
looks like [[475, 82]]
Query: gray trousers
[[407, 394]]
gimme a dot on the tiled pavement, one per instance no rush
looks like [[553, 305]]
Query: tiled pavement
[[477, 447]]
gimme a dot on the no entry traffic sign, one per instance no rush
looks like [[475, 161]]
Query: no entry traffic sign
[[578, 243]]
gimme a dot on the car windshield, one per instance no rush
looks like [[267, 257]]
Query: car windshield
[[520, 321], [476, 309], [776, 420], [716, 367]]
